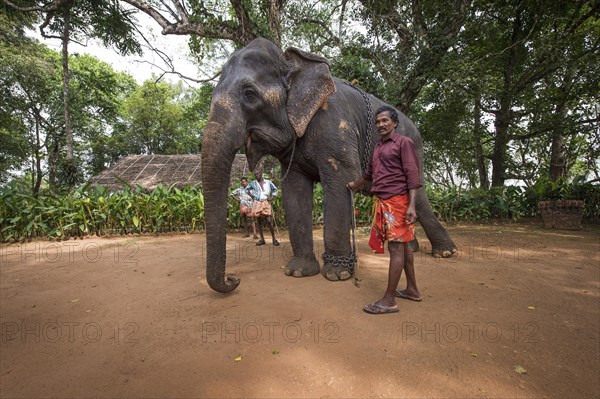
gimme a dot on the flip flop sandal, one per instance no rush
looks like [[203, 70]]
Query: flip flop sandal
[[384, 309], [400, 294]]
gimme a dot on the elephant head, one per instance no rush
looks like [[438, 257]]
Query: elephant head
[[264, 101]]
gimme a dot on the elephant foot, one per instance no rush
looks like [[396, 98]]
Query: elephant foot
[[302, 266], [443, 250], [337, 267]]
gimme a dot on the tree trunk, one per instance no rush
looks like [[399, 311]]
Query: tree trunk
[[504, 113], [478, 133], [65, 73], [274, 15], [500, 146], [53, 148], [557, 155], [37, 172]]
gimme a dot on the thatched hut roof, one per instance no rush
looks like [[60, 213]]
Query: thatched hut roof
[[149, 171]]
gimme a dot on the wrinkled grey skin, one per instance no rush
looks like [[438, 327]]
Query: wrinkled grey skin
[[265, 101]]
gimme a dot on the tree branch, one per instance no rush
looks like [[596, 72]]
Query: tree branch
[[54, 6], [224, 30], [331, 37], [170, 10], [486, 109], [174, 72]]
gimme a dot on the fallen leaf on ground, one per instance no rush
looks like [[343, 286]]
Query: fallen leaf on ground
[[531, 307], [237, 359], [474, 354], [275, 351], [520, 370]]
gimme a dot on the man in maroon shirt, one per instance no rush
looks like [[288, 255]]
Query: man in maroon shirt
[[395, 177]]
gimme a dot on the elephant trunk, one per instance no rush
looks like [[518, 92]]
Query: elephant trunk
[[217, 159]]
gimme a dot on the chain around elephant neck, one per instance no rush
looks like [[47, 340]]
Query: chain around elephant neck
[[291, 159], [365, 144]]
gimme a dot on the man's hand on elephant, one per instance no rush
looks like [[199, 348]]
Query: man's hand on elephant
[[411, 215], [355, 185]]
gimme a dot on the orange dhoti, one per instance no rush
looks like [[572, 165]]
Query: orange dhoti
[[261, 208], [389, 222]]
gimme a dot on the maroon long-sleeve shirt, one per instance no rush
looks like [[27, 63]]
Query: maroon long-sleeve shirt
[[394, 168]]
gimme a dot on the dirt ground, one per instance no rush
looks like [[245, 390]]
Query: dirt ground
[[515, 314]]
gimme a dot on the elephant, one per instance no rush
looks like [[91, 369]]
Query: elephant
[[320, 128]]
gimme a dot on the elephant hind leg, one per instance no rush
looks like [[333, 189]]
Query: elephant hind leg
[[443, 251], [414, 245], [300, 266], [442, 245]]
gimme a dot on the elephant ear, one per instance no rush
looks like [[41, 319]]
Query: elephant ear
[[309, 84]]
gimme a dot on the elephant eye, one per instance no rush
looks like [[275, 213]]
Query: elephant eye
[[249, 94]]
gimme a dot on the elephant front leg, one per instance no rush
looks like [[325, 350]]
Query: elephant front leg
[[338, 259], [297, 192]]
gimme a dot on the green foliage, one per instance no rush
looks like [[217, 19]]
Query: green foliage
[[353, 66], [95, 210], [547, 190], [509, 202], [31, 115], [99, 19], [28, 82], [479, 205], [156, 120]]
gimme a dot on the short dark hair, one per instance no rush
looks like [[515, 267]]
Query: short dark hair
[[392, 111], [243, 178]]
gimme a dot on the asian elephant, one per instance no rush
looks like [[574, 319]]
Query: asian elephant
[[319, 127]]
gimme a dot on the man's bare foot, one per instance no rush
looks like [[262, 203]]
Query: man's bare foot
[[404, 294], [380, 307]]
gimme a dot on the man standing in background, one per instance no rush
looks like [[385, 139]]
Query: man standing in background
[[246, 202], [262, 191]]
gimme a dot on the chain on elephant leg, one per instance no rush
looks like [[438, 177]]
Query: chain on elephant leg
[[338, 267]]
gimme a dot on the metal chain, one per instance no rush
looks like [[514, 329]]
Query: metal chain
[[356, 276], [346, 262], [365, 144], [291, 159]]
